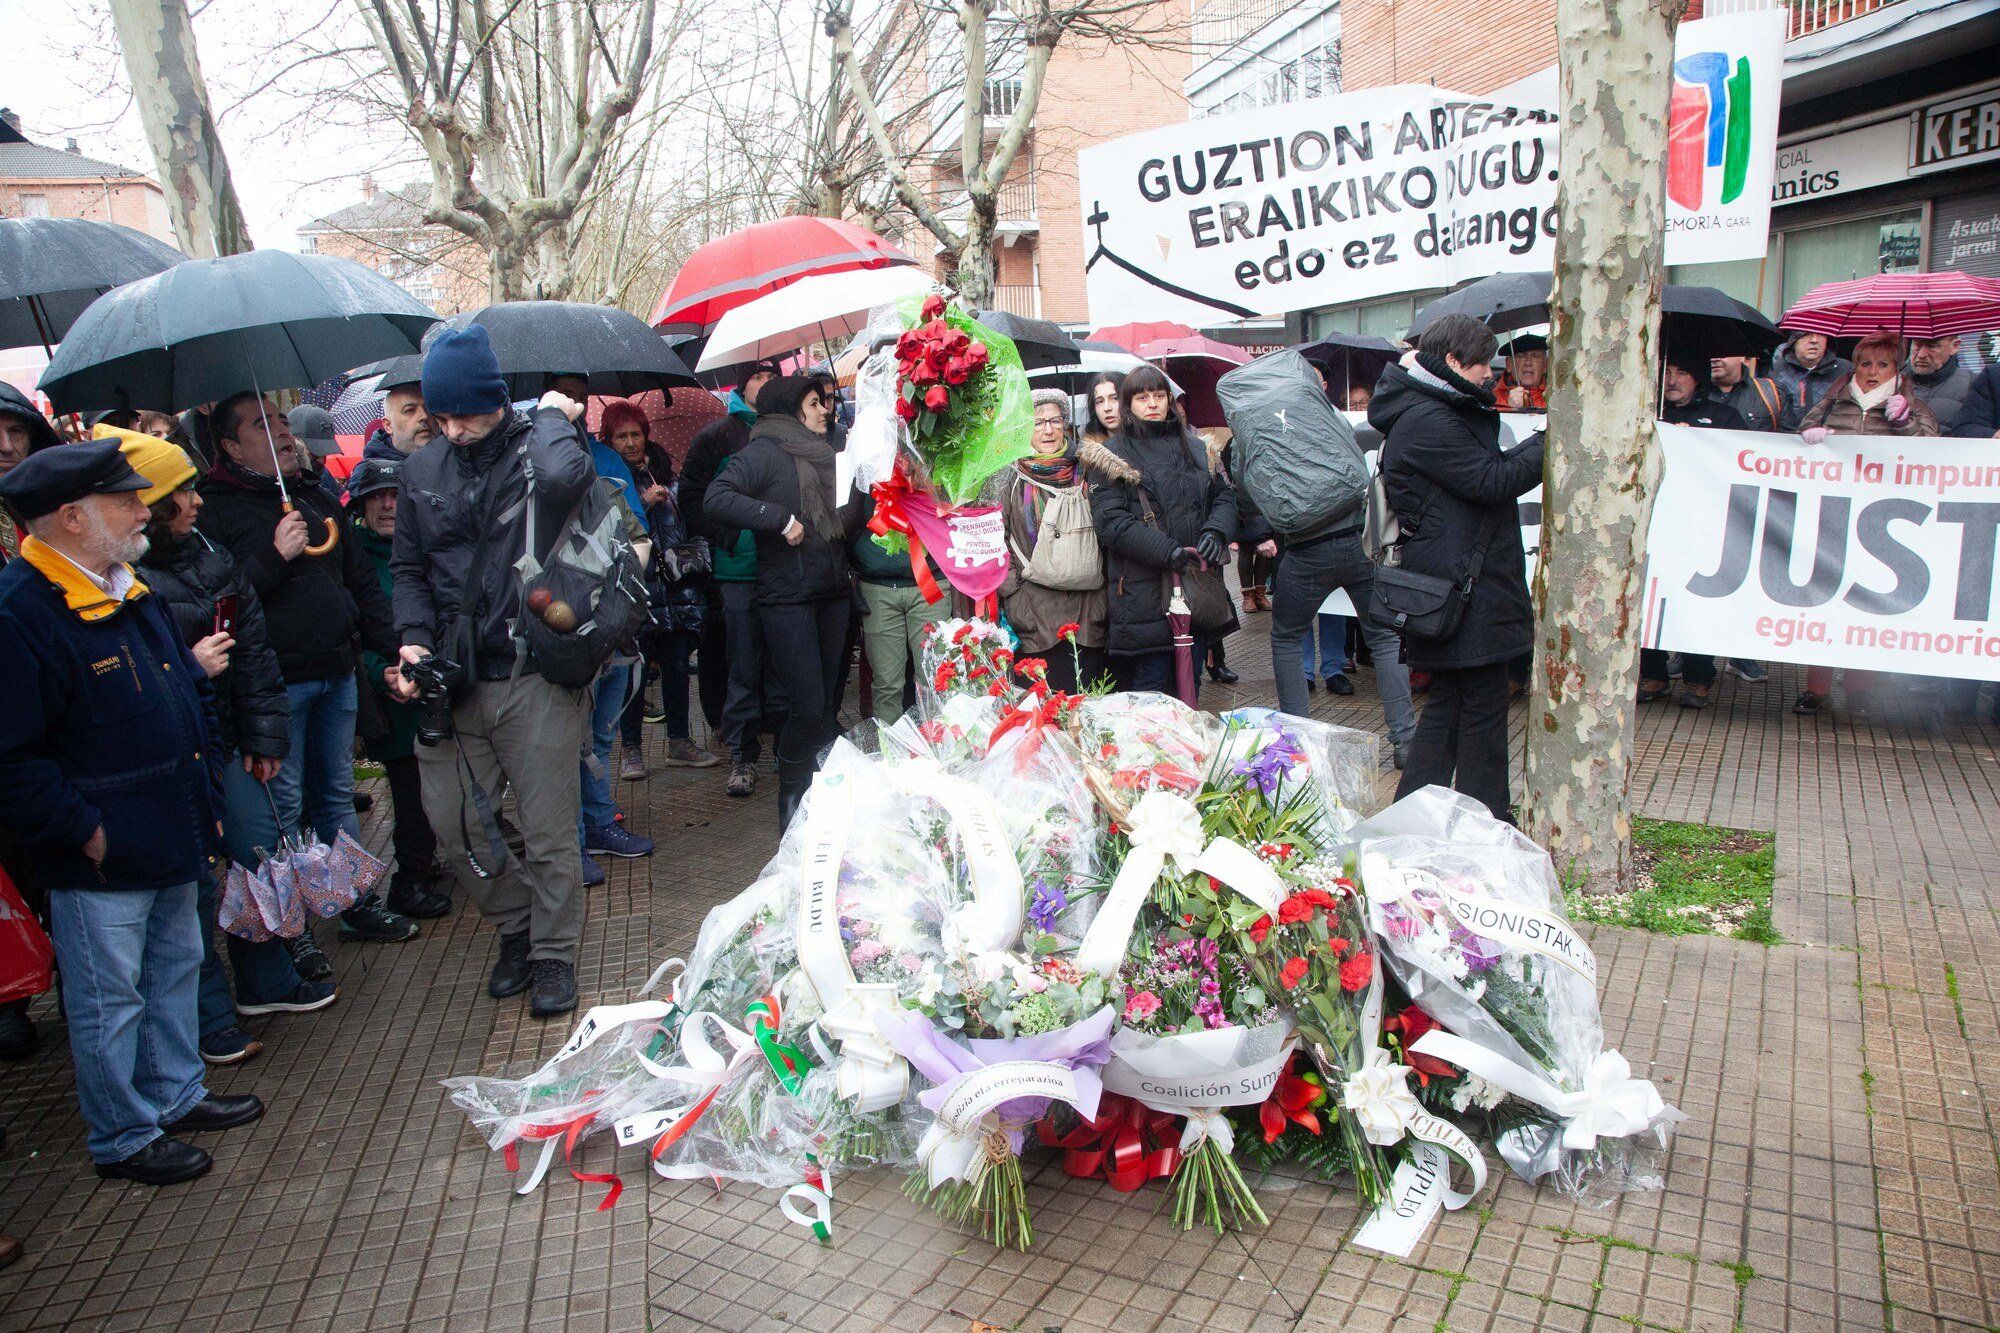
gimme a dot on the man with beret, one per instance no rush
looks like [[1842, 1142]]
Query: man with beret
[[108, 773], [312, 427], [461, 528]]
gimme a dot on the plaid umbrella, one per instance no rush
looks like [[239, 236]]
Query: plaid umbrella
[[1910, 305]]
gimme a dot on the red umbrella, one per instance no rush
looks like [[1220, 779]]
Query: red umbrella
[[1910, 305], [1196, 363], [1132, 336], [759, 259]]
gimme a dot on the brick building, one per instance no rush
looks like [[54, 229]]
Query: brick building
[[386, 231], [37, 181]]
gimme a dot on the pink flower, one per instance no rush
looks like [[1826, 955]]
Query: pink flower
[[1141, 1007], [867, 952]]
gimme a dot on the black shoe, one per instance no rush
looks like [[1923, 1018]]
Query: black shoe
[[1222, 675], [510, 971], [1339, 685], [1311, 685], [164, 1161], [213, 1112], [370, 920], [308, 960], [554, 988], [18, 1038], [418, 901], [363, 803], [1402, 755]]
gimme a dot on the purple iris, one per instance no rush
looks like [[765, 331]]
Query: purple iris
[[1267, 768], [1048, 904], [1479, 952]]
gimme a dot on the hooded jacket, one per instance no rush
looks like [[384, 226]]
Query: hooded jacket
[[14, 403], [1944, 392], [1804, 388], [189, 577], [454, 497], [314, 605], [1447, 481], [1164, 468]]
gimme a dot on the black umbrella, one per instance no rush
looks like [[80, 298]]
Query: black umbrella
[[614, 350], [391, 371], [52, 268], [1040, 342], [1707, 322], [1349, 359], [207, 328], [1502, 302]]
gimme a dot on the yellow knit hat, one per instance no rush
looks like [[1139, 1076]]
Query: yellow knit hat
[[161, 462]]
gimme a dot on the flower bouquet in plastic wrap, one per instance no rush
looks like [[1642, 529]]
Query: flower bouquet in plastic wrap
[[965, 686], [1471, 923]]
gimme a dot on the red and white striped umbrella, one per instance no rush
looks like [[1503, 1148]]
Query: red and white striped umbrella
[[1910, 305]]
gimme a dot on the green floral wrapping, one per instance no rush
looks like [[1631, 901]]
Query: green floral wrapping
[[989, 425]]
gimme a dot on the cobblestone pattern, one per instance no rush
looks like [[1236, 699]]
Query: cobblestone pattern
[[1837, 1168]]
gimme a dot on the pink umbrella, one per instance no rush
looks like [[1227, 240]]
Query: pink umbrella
[[1133, 336], [1911, 305], [1196, 363]]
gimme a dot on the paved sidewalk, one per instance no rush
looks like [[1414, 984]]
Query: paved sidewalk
[[1838, 1168]]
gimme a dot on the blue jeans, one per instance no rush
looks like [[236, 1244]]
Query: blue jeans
[[1332, 647], [598, 809], [264, 971], [1306, 574], [316, 784], [131, 963], [1155, 671]]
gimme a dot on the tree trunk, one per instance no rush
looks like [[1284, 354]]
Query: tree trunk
[[506, 270], [157, 38], [974, 277], [1603, 465]]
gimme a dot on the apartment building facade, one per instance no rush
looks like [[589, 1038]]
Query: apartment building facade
[[386, 231], [38, 181]]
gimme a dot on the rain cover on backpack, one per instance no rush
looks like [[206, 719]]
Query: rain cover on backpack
[[1293, 454]]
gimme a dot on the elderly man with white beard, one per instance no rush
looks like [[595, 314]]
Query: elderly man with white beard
[[108, 780]]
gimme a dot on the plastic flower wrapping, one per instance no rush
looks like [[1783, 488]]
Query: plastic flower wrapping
[[1471, 922]]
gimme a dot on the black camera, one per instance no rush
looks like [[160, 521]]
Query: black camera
[[436, 680]]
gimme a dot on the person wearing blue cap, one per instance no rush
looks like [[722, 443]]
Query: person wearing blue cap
[[109, 763], [461, 528]]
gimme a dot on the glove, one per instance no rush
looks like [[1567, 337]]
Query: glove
[[1814, 434], [1212, 549], [1185, 560], [1898, 408]]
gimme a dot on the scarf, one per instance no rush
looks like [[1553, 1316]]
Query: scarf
[[1871, 399], [1043, 473], [1439, 373], [812, 455]]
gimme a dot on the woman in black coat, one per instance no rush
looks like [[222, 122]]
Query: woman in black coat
[[1454, 490], [1160, 509], [781, 488]]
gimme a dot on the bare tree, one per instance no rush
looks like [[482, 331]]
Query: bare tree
[[517, 110], [1616, 58], [992, 37], [157, 38]]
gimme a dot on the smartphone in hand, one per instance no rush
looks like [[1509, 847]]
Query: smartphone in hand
[[225, 614]]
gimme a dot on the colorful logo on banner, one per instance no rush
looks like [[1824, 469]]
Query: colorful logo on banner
[[1708, 128]]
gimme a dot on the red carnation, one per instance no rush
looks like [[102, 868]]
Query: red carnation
[[1357, 972], [1295, 971], [1294, 910], [937, 398], [933, 306], [1069, 631], [997, 688], [960, 634], [1260, 928]]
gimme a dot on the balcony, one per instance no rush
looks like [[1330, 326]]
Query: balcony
[[1014, 208], [997, 103], [1021, 299], [1807, 16]]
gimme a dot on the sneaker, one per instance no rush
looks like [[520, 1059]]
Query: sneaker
[[1676, 664], [1400, 755], [655, 717], [307, 958], [1652, 691], [510, 971], [229, 1046], [684, 753], [742, 779], [419, 901], [632, 768], [305, 998], [616, 841], [1753, 672], [553, 990], [1694, 696], [593, 873], [370, 920], [1808, 703]]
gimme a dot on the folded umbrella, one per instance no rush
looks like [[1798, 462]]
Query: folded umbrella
[[51, 269], [757, 260], [1909, 305], [816, 309], [614, 350]]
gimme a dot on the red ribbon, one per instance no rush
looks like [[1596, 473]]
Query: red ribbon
[[1033, 723], [570, 1132], [1127, 1144], [890, 515]]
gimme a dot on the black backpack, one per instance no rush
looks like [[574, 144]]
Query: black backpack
[[594, 571]]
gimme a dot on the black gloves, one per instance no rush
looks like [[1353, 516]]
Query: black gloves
[[1213, 549], [1185, 560]]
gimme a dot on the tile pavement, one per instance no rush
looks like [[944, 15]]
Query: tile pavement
[[1838, 1168]]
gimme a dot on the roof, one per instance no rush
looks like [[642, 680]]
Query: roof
[[32, 161], [400, 209]]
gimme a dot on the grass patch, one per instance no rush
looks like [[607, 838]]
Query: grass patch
[[365, 769], [1692, 879]]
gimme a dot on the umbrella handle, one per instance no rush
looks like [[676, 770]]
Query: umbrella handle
[[332, 534]]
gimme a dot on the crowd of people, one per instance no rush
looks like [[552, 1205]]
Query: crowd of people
[[201, 626]]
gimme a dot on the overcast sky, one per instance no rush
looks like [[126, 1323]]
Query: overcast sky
[[289, 168]]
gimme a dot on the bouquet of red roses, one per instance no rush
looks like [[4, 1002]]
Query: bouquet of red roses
[[962, 393]]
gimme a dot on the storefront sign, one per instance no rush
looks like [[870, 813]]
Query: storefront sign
[[1958, 132], [1965, 234], [1912, 140]]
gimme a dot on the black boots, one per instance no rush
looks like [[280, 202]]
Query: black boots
[[790, 796]]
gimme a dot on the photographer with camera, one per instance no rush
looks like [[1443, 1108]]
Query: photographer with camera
[[488, 717]]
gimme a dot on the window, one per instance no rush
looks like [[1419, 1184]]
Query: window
[[308, 245], [1857, 248], [34, 205], [1386, 318]]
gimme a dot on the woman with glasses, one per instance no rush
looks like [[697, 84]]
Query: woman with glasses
[[1055, 577]]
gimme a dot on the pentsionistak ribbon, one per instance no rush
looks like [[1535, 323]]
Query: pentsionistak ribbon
[[1165, 828], [1127, 1144], [1515, 925], [971, 538]]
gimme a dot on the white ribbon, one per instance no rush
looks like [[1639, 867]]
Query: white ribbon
[[1378, 1097], [955, 1143], [708, 1067], [1516, 925], [1165, 827], [1610, 1105], [870, 1073], [992, 920], [1207, 1123]]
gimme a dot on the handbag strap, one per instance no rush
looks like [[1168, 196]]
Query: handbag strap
[[1489, 528]]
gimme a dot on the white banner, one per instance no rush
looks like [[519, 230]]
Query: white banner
[[1872, 552], [1722, 124]]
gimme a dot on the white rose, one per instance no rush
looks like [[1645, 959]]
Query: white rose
[[1380, 1100]]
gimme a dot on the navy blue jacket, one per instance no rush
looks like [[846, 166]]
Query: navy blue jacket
[[106, 722]]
